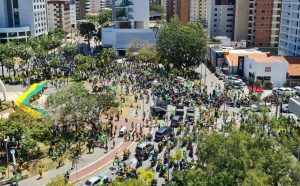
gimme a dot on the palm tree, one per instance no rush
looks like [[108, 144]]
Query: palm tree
[[2, 56]]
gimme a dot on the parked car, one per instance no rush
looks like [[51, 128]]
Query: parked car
[[258, 108], [96, 180], [282, 91], [297, 90], [144, 149], [285, 108], [122, 131], [162, 133], [179, 110], [190, 112], [275, 90], [175, 121], [291, 91]]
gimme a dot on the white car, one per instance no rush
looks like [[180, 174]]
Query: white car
[[297, 90], [291, 91], [282, 90], [93, 181], [122, 131]]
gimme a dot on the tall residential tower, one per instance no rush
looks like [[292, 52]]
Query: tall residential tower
[[20, 19], [289, 43]]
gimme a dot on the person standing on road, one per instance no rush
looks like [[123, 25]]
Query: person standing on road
[[41, 172], [114, 143]]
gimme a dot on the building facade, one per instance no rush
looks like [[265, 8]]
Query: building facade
[[241, 16], [263, 23], [179, 8], [131, 22], [59, 15], [95, 6], [220, 18], [73, 13], [289, 44], [270, 71], [83, 7], [198, 11], [20, 19]]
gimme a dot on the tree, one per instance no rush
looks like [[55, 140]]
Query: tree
[[148, 55], [10, 53], [86, 30], [146, 175], [25, 53], [104, 17], [134, 47], [74, 105], [183, 46], [256, 177], [83, 63], [69, 51], [131, 182], [58, 33], [108, 55]]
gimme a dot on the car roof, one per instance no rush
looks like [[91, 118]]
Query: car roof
[[94, 178], [176, 117], [143, 144], [191, 109], [162, 129]]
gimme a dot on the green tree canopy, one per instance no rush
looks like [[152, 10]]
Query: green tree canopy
[[86, 30], [75, 105], [148, 55], [181, 45], [239, 158]]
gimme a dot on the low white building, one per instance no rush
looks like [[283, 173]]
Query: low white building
[[269, 70]]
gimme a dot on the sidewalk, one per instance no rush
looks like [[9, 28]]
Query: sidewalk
[[93, 167], [86, 161]]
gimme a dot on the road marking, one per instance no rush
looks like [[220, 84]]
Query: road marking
[[101, 167], [96, 160]]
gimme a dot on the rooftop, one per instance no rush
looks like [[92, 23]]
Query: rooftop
[[233, 58], [294, 65], [272, 59]]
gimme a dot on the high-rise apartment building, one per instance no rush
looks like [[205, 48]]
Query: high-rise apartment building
[[220, 17], [289, 40], [264, 23], [105, 4], [241, 17], [198, 11], [179, 8], [95, 6], [73, 13], [194, 10], [83, 7], [98, 5], [20, 19], [59, 15]]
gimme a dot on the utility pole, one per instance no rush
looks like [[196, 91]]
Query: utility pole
[[7, 161]]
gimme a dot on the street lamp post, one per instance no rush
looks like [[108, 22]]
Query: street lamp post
[[6, 149], [169, 168]]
